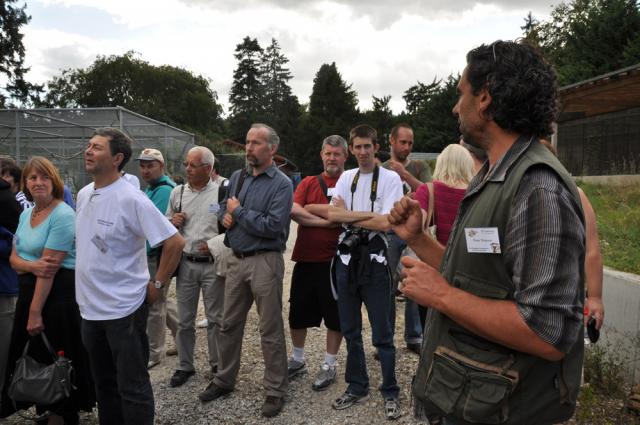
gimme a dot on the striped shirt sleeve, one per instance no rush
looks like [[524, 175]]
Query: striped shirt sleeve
[[545, 245]]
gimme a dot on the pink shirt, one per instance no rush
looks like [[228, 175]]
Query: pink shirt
[[447, 200]]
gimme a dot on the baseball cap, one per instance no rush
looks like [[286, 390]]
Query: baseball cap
[[150, 155]]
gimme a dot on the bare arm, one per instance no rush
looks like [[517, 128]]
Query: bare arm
[[171, 254], [45, 266], [341, 215], [321, 210], [592, 263], [302, 216], [496, 320], [35, 325], [406, 219]]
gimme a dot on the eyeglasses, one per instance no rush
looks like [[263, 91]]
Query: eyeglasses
[[189, 164]]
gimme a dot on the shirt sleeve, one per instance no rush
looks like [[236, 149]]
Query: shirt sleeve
[[544, 249], [425, 172], [61, 236], [268, 224], [392, 193], [152, 224], [300, 196], [422, 196], [341, 187]]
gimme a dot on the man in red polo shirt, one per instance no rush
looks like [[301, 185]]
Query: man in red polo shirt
[[311, 298]]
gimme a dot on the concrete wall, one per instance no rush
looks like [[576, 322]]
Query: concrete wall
[[621, 329]]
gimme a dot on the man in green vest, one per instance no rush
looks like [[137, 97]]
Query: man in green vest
[[504, 339]]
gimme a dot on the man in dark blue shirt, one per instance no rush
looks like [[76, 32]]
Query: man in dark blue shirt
[[257, 215]]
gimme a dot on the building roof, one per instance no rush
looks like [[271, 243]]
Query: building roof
[[610, 92]]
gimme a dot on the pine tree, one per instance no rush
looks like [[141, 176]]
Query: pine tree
[[247, 91], [12, 56]]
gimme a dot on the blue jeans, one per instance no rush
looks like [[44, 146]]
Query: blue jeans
[[375, 296], [412, 323], [119, 352]]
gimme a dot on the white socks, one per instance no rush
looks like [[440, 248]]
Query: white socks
[[298, 354], [330, 359]]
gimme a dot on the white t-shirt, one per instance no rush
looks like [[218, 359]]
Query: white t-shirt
[[132, 180], [389, 191], [112, 225]]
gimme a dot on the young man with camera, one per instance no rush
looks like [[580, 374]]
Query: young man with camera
[[362, 198]]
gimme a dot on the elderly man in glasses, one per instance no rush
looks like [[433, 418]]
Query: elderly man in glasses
[[192, 209]]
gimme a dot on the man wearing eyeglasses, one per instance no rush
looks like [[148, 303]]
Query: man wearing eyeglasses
[[192, 209], [257, 217]]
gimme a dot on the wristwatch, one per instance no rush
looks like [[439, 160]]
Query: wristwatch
[[158, 284]]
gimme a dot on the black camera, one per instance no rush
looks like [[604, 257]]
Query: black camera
[[355, 236]]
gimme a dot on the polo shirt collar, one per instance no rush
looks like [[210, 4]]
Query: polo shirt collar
[[208, 186]]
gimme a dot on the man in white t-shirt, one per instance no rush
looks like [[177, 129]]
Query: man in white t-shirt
[[362, 198], [114, 220]]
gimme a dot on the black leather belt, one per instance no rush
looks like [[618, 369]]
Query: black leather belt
[[246, 254], [198, 258]]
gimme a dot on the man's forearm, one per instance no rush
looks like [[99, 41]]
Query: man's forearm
[[497, 320], [413, 182], [340, 215], [171, 255], [321, 210], [428, 250], [378, 223]]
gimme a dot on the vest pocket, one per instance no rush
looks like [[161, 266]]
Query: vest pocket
[[467, 389]]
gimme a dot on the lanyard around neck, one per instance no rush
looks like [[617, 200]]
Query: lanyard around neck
[[374, 186]]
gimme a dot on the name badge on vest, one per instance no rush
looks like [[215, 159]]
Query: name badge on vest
[[483, 240], [214, 208]]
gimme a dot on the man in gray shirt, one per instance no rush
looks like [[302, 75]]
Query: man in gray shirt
[[192, 209], [257, 216]]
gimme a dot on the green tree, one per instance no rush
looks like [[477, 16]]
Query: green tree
[[586, 38], [381, 118], [281, 107], [432, 119], [12, 69], [332, 110], [247, 96], [165, 93]]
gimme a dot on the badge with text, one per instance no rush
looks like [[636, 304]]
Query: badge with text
[[100, 244], [214, 208], [482, 240]]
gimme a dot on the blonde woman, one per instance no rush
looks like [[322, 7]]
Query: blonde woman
[[44, 258], [454, 170]]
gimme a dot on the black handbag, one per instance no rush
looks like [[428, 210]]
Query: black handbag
[[34, 382]]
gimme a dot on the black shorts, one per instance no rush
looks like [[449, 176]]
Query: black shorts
[[311, 299]]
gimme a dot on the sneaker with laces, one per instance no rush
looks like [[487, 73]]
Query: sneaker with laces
[[392, 408], [347, 400], [326, 377], [272, 406], [295, 368]]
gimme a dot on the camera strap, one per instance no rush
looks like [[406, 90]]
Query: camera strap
[[374, 186]]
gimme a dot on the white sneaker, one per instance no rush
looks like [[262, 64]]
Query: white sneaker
[[326, 377], [202, 323]]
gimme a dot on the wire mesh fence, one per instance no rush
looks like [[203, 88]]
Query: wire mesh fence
[[62, 135]]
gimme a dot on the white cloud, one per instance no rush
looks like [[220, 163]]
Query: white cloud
[[380, 48]]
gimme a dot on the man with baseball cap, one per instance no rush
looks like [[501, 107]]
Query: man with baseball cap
[[163, 312]]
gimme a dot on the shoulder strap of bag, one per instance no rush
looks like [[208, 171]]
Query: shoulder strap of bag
[[324, 187], [243, 176], [181, 193], [431, 209]]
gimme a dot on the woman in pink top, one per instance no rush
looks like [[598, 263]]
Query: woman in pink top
[[454, 171]]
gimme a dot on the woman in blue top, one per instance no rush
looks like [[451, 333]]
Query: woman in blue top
[[44, 257]]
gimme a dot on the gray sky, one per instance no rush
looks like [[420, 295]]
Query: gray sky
[[380, 47]]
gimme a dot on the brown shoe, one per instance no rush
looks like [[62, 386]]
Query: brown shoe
[[272, 406]]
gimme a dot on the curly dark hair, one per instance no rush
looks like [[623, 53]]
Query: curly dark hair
[[522, 84]]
